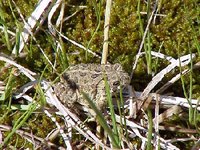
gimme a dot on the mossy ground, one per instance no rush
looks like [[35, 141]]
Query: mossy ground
[[177, 28]]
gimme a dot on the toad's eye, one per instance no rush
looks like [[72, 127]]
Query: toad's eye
[[116, 83]]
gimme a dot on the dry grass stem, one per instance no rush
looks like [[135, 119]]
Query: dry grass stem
[[185, 60], [156, 124], [174, 110], [106, 32], [176, 78], [29, 136], [22, 69], [32, 22], [66, 137], [78, 45], [170, 100], [50, 15]]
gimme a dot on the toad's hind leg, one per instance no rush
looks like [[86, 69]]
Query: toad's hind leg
[[66, 95], [101, 98]]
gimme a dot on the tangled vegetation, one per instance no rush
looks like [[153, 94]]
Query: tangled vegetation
[[173, 31]]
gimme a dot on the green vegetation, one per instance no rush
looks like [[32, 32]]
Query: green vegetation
[[173, 31]]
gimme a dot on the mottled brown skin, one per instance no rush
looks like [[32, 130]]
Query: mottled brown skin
[[89, 78]]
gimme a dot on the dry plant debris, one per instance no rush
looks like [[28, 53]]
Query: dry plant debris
[[137, 127]]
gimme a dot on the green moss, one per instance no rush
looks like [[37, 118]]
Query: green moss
[[177, 28]]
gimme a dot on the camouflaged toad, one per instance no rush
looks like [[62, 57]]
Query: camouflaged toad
[[89, 78]]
